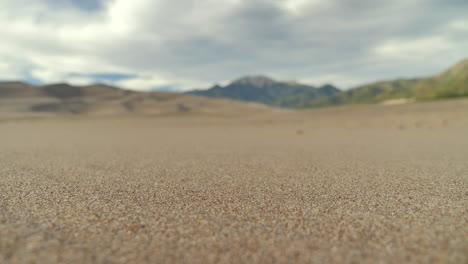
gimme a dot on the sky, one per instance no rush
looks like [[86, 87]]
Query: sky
[[187, 44]]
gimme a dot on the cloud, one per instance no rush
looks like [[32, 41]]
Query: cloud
[[403, 48], [193, 43]]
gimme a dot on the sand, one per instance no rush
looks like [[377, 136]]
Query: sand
[[370, 184]]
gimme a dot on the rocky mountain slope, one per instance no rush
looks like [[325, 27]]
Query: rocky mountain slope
[[265, 90]]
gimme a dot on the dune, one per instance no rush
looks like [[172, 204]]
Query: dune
[[397, 101], [18, 98], [365, 184]]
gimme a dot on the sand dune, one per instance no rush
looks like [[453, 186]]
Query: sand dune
[[368, 184], [18, 98]]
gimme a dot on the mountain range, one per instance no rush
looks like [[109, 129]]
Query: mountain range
[[255, 91], [262, 89], [450, 83]]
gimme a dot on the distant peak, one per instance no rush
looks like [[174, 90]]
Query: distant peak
[[328, 86], [62, 84], [460, 68], [100, 85], [465, 61], [14, 83], [462, 64], [258, 80]]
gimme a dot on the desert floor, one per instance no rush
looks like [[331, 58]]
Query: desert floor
[[365, 184]]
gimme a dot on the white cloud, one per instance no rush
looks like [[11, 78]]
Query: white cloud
[[404, 48], [460, 25], [80, 80], [194, 43], [143, 83], [149, 82], [299, 7]]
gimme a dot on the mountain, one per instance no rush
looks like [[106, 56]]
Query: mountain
[[265, 90], [450, 83], [99, 99]]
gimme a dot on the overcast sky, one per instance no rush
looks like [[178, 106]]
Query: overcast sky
[[185, 44]]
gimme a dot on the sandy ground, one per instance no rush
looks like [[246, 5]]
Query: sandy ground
[[372, 184]]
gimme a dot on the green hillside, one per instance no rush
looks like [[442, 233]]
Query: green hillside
[[451, 83]]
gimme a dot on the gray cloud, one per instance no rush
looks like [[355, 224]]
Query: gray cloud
[[191, 44]]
